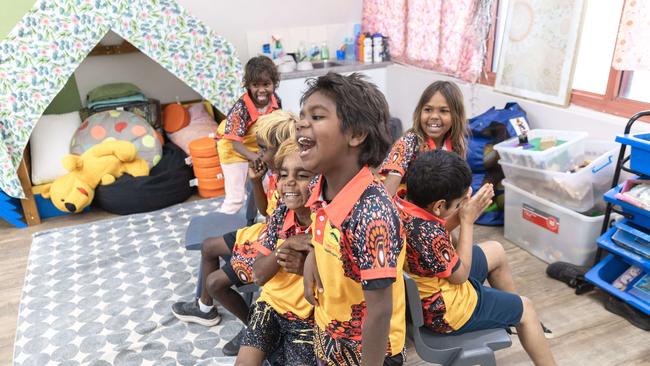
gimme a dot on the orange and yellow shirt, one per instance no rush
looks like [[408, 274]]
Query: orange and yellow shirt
[[239, 125], [358, 247], [284, 291], [244, 251], [430, 260], [405, 150]]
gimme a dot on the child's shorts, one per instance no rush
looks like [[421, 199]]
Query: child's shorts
[[292, 339], [495, 308], [230, 239]]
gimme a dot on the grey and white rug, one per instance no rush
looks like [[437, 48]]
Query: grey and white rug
[[100, 294]]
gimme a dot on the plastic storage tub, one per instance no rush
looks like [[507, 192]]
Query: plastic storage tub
[[579, 191], [640, 151], [558, 158], [547, 230]]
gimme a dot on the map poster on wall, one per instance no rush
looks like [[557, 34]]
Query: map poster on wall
[[539, 48]]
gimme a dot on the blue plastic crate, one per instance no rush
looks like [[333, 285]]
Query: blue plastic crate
[[606, 272], [638, 215], [640, 151], [605, 241]]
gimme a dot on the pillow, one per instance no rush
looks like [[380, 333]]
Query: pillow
[[118, 125], [112, 91], [49, 143]]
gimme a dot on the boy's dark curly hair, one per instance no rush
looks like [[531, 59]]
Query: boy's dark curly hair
[[361, 107], [435, 175], [258, 68]]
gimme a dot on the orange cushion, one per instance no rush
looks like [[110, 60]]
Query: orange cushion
[[214, 172], [211, 183], [204, 147], [175, 117], [210, 162]]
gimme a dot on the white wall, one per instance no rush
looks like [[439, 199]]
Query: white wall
[[235, 21], [405, 84]]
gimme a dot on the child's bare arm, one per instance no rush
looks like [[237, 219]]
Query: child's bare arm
[[292, 254], [467, 214], [264, 268], [376, 328], [391, 183], [256, 171], [240, 148]]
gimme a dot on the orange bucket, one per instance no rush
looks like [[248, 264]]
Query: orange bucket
[[202, 163], [204, 147], [175, 117], [209, 193], [206, 173], [211, 183]]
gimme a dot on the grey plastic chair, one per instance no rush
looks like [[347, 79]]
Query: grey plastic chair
[[473, 348]]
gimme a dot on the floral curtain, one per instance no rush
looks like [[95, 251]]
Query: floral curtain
[[632, 52], [448, 36]]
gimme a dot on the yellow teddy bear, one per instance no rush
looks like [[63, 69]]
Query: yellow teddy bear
[[101, 164]]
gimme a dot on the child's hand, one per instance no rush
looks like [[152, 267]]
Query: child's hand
[[256, 169], [311, 279], [472, 207], [293, 252]]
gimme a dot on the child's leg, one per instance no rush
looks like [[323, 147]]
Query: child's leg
[[234, 175], [211, 250], [298, 342], [532, 337], [262, 335], [218, 285], [499, 273]]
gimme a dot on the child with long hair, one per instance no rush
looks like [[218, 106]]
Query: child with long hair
[[237, 146], [237, 248], [439, 122], [281, 321]]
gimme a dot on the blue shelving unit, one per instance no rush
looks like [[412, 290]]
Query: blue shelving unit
[[607, 270], [10, 212]]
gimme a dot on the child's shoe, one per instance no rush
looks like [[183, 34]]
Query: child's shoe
[[191, 313], [232, 347]]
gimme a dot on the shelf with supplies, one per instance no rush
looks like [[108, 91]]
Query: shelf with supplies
[[607, 242], [625, 272], [607, 271]]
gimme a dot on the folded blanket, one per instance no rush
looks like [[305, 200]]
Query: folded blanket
[[112, 91], [118, 102]]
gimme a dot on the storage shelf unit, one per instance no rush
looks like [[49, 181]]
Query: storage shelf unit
[[607, 270]]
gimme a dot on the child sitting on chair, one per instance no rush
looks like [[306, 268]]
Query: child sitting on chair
[[237, 146], [450, 279], [281, 319], [236, 248]]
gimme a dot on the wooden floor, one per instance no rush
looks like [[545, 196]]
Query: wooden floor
[[585, 333]]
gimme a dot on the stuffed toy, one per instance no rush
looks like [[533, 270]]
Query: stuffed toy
[[101, 164]]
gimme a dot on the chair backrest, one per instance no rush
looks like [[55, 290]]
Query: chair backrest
[[413, 301], [251, 207]]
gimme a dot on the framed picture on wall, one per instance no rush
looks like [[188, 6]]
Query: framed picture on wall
[[539, 48]]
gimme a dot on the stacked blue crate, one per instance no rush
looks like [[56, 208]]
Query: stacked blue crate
[[628, 241], [10, 212]]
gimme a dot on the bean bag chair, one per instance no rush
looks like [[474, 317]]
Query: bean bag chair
[[118, 125], [166, 185]]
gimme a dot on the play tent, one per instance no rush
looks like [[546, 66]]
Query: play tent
[[55, 36]]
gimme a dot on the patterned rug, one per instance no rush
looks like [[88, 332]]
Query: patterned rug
[[100, 294]]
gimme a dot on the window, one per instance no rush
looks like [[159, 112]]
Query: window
[[596, 84]]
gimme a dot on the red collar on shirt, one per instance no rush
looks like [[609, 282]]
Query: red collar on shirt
[[343, 202], [273, 183], [290, 221], [252, 109], [413, 210], [446, 143]]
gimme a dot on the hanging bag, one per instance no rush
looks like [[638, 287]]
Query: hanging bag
[[487, 130]]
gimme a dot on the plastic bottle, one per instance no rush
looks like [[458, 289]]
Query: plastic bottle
[[367, 49], [377, 48], [349, 49], [361, 44], [324, 52]]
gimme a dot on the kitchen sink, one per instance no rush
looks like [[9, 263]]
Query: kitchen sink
[[325, 64]]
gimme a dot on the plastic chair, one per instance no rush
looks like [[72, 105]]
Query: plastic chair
[[473, 348]]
